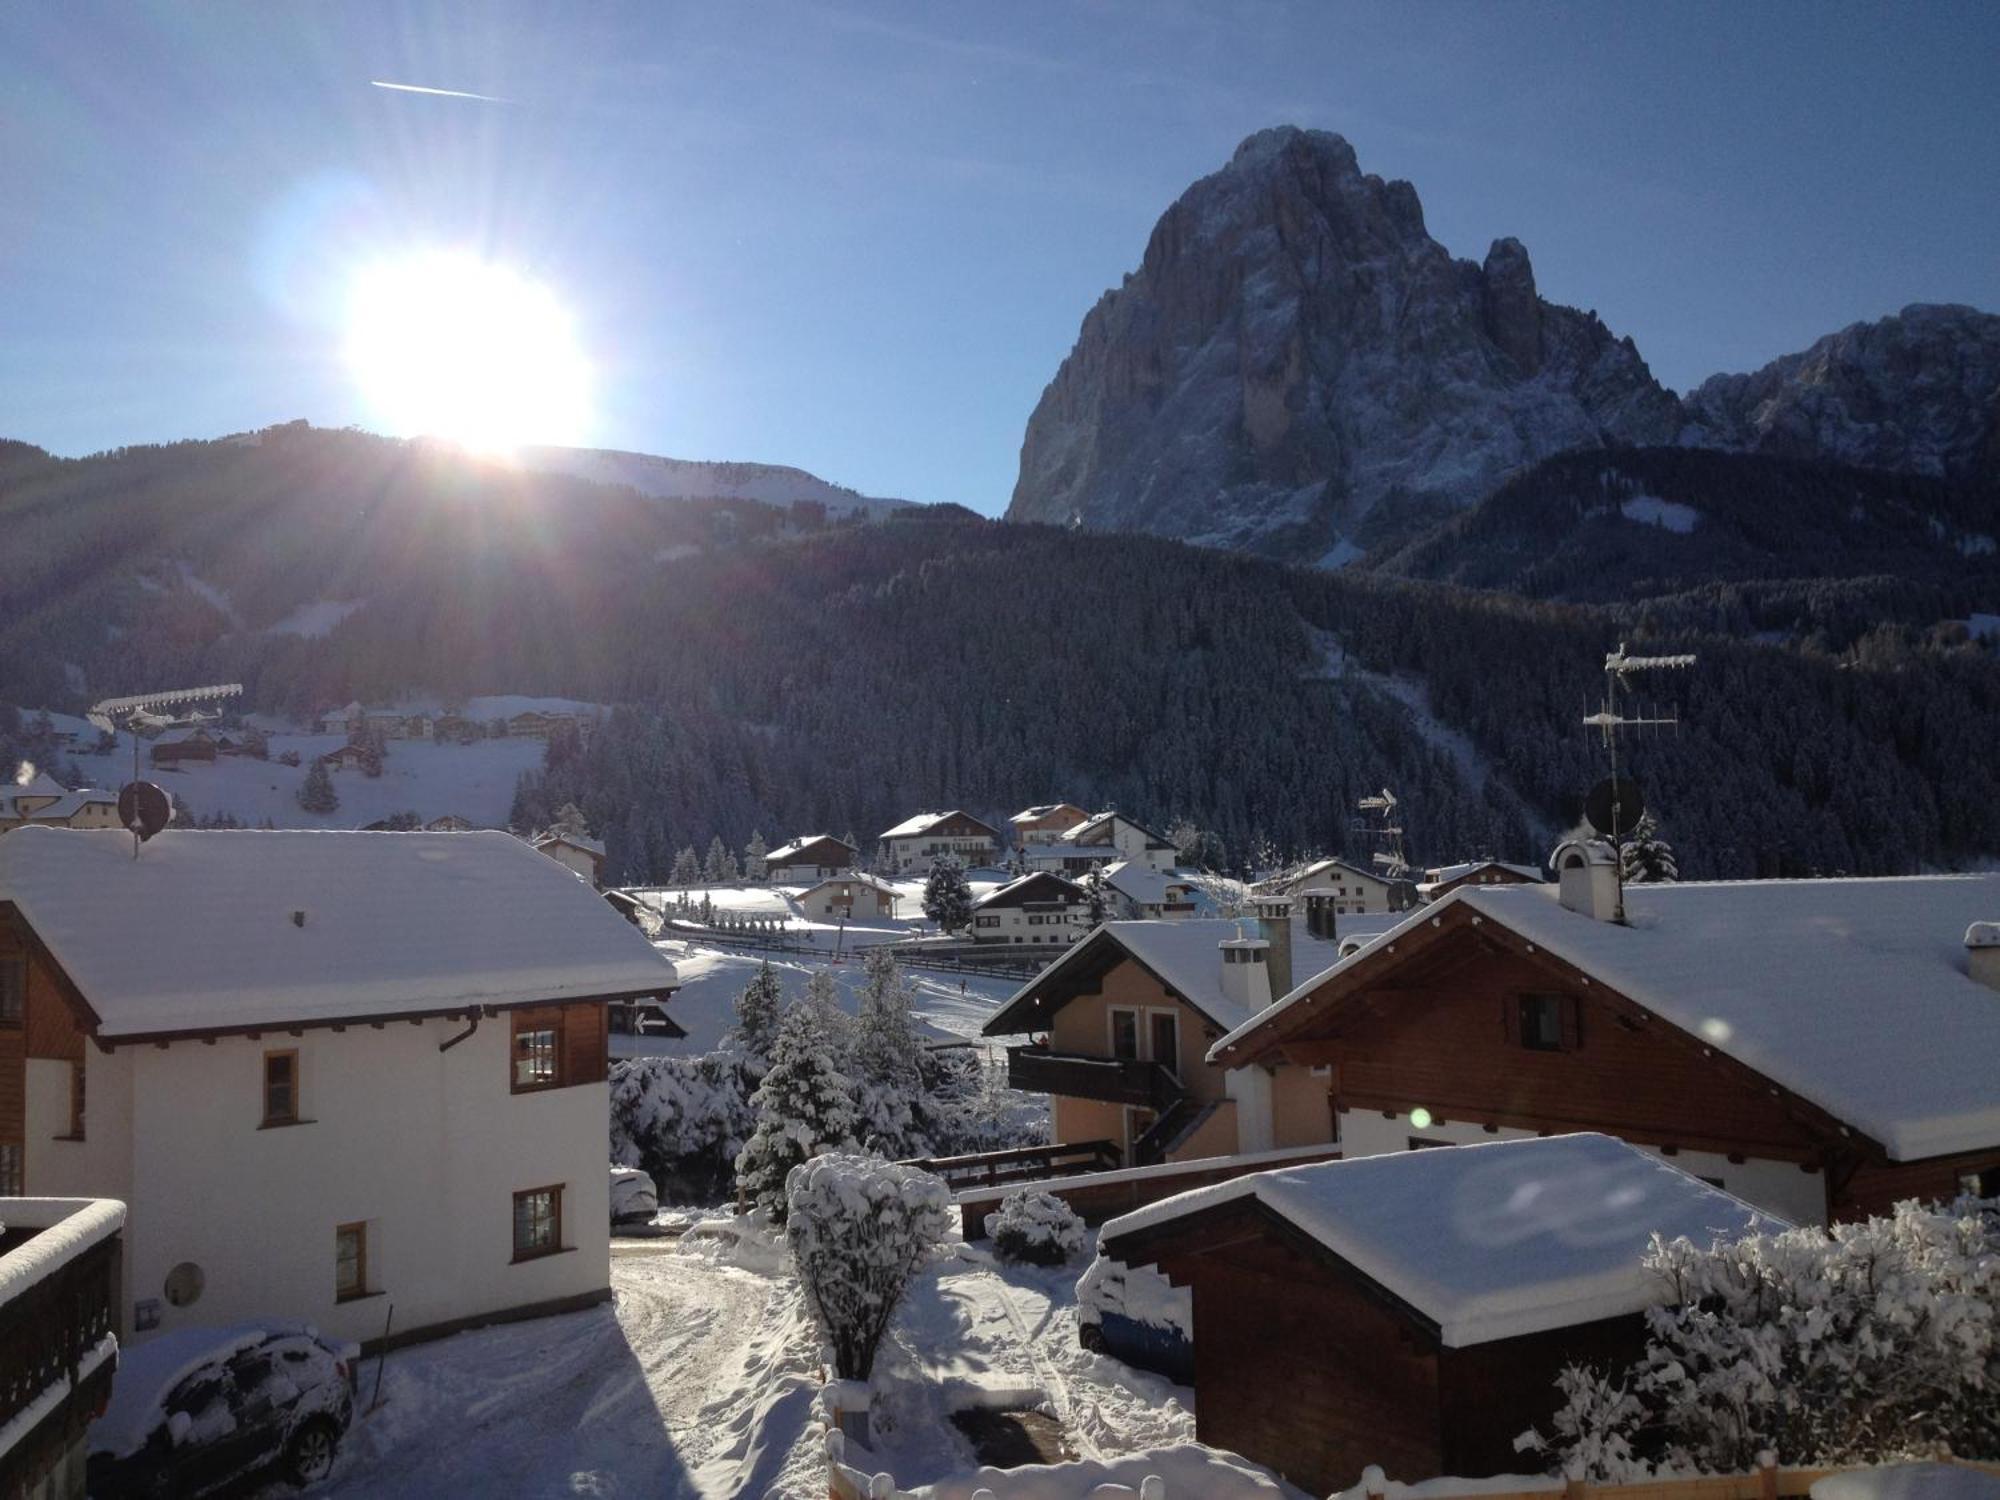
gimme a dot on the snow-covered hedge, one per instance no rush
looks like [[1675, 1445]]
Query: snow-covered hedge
[[1035, 1227], [682, 1120], [1855, 1344], [859, 1228]]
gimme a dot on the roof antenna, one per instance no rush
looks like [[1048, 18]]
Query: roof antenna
[[1379, 824], [143, 806], [1616, 804]]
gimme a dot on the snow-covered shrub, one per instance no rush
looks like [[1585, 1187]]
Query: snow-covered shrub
[[1856, 1344], [804, 1105], [1594, 1429], [682, 1120], [859, 1228], [1035, 1227]]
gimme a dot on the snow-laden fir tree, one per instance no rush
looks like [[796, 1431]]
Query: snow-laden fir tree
[[1097, 891], [713, 865], [1647, 858], [947, 894], [887, 1057], [757, 1010], [754, 865], [570, 822], [805, 1105], [687, 868], [316, 793]]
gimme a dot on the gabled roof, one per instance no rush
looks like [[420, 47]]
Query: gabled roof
[[1491, 1241], [201, 933], [923, 823], [590, 846], [1142, 883], [851, 877], [71, 803], [1182, 955], [785, 852], [40, 784], [1446, 874], [190, 734], [1319, 869], [1035, 814], [1104, 820], [1039, 886], [1853, 995]]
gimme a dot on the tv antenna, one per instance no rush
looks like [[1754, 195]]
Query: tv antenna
[[1379, 822], [1615, 805], [143, 806]]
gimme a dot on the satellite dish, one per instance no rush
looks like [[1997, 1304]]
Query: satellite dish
[[144, 808], [1614, 805]]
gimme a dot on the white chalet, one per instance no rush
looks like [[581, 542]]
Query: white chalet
[[913, 843], [1105, 839], [583, 856], [849, 895], [1140, 892], [324, 1071], [809, 858], [1039, 908]]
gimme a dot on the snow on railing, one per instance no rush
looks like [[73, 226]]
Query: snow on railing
[[58, 1302]]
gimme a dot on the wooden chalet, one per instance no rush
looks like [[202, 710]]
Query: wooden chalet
[[1413, 1310], [177, 745], [810, 858], [847, 896], [913, 843], [1822, 1048], [1035, 909], [1442, 880], [1046, 823], [345, 758]]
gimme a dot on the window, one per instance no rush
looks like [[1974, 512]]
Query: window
[[1165, 1035], [10, 1170], [76, 1101], [537, 1222], [281, 1088], [13, 990], [350, 1262], [1125, 1034], [1545, 1023], [537, 1048]]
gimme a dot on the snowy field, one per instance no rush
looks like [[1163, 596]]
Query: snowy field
[[948, 1007], [699, 1383]]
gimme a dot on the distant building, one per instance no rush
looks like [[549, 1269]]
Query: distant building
[[1139, 892], [1045, 824], [912, 844], [43, 799], [1038, 909], [1445, 879], [1108, 838], [345, 758], [583, 855], [849, 895], [534, 724], [810, 858], [173, 746]]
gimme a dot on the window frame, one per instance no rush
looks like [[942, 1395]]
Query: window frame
[[268, 1120], [555, 1245], [1562, 1034], [1111, 1015], [529, 1022], [361, 1289]]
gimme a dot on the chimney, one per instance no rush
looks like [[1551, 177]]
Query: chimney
[[1246, 976], [1274, 926], [1982, 953], [1587, 877], [1320, 915]]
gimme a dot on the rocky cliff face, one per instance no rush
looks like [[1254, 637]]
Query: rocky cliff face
[[1296, 354], [1918, 393]]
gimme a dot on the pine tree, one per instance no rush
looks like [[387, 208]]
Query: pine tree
[[1646, 858], [757, 1015], [687, 868], [570, 821], [1097, 890], [712, 866], [887, 1055], [947, 895], [754, 867], [804, 1106], [316, 793]]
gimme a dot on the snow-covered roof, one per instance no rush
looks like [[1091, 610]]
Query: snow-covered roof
[[1035, 814], [575, 841], [1491, 1241], [1142, 883], [200, 932], [1104, 819], [71, 803], [923, 823], [40, 784], [1013, 890], [1446, 874], [1853, 994], [784, 852], [191, 733], [852, 877]]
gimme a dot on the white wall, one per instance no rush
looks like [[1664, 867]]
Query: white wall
[[1776, 1186], [428, 1148], [916, 853], [1012, 926]]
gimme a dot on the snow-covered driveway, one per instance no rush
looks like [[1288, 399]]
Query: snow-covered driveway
[[696, 1382]]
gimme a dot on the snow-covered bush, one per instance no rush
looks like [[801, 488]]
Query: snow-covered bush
[[682, 1120], [1035, 1227], [804, 1105], [859, 1228], [1860, 1343]]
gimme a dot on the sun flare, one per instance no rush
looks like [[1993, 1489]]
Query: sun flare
[[444, 344]]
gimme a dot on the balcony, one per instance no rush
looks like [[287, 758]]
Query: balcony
[[1076, 1075], [58, 1340]]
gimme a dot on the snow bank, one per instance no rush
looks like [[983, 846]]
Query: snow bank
[[1187, 1471], [1909, 1482]]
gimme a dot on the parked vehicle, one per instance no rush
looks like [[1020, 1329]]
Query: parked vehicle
[[634, 1199], [199, 1408]]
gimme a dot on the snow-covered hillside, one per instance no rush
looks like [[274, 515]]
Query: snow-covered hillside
[[689, 479]]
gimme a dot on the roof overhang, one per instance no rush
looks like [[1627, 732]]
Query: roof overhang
[[1078, 971]]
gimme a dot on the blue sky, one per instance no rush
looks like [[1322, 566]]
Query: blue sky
[[860, 237]]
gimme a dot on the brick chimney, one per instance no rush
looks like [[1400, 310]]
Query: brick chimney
[[1274, 926], [1587, 877], [1982, 953], [1246, 973]]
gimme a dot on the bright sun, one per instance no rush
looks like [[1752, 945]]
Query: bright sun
[[444, 344]]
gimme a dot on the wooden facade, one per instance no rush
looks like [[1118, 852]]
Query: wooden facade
[[1305, 1364]]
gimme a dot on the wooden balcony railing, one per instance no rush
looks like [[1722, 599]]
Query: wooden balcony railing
[[1021, 1164], [1115, 1080], [60, 1318]]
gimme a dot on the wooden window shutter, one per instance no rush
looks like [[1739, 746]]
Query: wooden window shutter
[[1572, 1022], [585, 1048]]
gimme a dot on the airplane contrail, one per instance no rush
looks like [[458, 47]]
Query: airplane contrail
[[417, 88]]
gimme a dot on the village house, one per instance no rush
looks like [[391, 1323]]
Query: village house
[[1444, 879], [172, 746], [1038, 908], [1045, 824], [534, 724], [1107, 838], [812, 857], [1122, 1026], [22, 800], [324, 1071], [87, 807], [345, 758], [1139, 892], [456, 727], [575, 852], [1821, 1048], [848, 896], [1332, 888], [912, 844], [1413, 1311]]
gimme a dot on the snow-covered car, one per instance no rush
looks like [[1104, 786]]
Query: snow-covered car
[[634, 1200], [199, 1408], [1134, 1314]]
